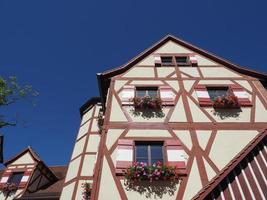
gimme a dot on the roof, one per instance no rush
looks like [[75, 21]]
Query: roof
[[28, 149], [89, 103], [243, 177], [53, 191]]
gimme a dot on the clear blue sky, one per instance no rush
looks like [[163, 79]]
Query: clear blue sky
[[59, 46]]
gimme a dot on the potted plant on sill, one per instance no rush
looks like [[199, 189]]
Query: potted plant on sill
[[229, 101], [157, 171], [8, 188], [147, 102], [86, 190]]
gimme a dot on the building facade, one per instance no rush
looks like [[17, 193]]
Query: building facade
[[175, 122], [184, 107]]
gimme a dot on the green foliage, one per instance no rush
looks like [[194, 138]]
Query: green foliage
[[10, 93]]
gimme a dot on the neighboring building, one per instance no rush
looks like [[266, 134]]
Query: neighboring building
[[34, 180], [177, 104]]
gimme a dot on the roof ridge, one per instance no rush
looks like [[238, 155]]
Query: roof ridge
[[228, 168]]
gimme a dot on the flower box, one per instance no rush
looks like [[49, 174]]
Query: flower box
[[229, 101], [8, 187], [147, 102], [86, 193], [157, 171]]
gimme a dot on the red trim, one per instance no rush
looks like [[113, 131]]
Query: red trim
[[125, 142], [178, 164]]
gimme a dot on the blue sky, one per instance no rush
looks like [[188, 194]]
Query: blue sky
[[59, 46]]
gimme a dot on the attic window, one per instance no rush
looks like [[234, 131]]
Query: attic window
[[167, 61], [15, 178], [182, 60]]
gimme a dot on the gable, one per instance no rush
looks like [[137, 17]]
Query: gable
[[24, 159]]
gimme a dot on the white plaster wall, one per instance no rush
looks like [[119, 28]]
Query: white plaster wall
[[218, 72], [73, 169], [116, 113], [164, 71], [112, 136], [188, 84], [228, 143], [192, 71], [202, 61], [67, 192], [148, 133], [93, 143], [210, 172], [261, 112], [215, 82], [148, 193], [230, 115], [200, 117], [139, 118], [95, 125], [83, 129], [174, 85], [203, 137], [108, 186], [88, 165], [171, 47], [144, 82], [244, 84], [185, 137], [140, 72], [119, 84], [87, 115], [194, 182], [26, 158], [78, 148], [178, 114]]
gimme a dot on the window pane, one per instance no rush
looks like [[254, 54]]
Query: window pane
[[152, 93], [16, 178], [156, 152], [140, 93], [166, 60], [216, 92], [181, 59], [141, 151]]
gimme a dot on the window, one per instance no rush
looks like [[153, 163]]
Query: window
[[167, 61], [16, 178], [147, 91], [149, 152], [215, 92], [182, 60]]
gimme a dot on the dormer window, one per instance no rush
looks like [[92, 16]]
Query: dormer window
[[147, 91], [15, 178]]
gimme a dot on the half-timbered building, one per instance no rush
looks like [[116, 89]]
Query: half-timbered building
[[175, 122]]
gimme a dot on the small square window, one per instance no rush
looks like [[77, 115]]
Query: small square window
[[181, 60], [167, 61], [15, 178], [149, 152], [215, 92], [147, 91]]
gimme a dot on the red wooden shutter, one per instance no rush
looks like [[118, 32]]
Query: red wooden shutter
[[176, 156], [127, 94], [157, 60], [203, 95], [5, 177], [193, 60], [241, 94], [124, 155], [167, 95], [25, 179]]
